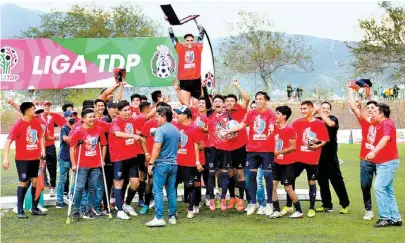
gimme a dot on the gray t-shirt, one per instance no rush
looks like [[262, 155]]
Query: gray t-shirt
[[169, 136]]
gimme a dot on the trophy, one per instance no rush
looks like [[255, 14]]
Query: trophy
[[172, 17], [361, 83]]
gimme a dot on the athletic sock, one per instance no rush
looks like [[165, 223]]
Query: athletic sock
[[252, 186], [130, 196], [191, 192], [289, 201], [241, 187], [276, 206], [269, 185], [21, 191], [297, 206], [224, 184], [211, 184], [231, 187], [312, 196], [148, 194], [34, 202], [141, 190], [197, 196], [118, 201]]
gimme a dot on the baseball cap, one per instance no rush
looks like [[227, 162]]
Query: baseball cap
[[39, 110], [182, 110], [45, 102], [68, 113], [112, 104]]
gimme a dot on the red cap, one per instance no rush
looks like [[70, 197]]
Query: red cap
[[45, 102]]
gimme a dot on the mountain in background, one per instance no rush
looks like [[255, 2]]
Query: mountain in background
[[328, 56]]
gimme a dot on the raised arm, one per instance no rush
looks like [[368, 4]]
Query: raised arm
[[245, 95], [201, 33], [353, 106], [108, 92], [181, 98], [171, 33]]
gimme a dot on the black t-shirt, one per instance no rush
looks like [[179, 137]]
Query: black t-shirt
[[331, 147], [107, 118]]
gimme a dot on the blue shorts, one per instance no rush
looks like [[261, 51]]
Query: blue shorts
[[126, 169], [265, 160]]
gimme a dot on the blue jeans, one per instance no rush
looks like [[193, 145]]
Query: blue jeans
[[64, 167], [83, 175], [260, 185], [384, 191], [367, 172], [165, 175], [99, 192]]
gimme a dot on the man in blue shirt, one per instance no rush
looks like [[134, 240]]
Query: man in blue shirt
[[163, 164], [64, 157]]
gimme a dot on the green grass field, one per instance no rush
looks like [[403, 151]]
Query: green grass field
[[228, 226]]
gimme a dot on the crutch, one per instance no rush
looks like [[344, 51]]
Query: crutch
[[74, 190], [105, 183]]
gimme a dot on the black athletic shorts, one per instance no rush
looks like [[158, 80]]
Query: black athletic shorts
[[312, 170], [263, 159], [27, 169], [141, 159], [284, 173], [193, 86], [238, 157], [126, 169], [187, 175], [223, 159]]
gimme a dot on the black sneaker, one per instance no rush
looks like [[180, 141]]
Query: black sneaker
[[398, 223], [76, 216], [22, 215], [383, 223], [37, 212], [88, 215]]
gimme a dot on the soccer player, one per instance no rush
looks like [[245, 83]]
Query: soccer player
[[312, 135], [188, 157], [163, 166], [329, 168], [28, 135], [189, 66], [385, 156], [144, 98], [135, 102], [64, 157], [122, 144], [368, 142], [237, 147], [285, 146], [87, 152], [219, 158], [260, 148], [50, 120]]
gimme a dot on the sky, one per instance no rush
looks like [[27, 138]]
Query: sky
[[337, 20]]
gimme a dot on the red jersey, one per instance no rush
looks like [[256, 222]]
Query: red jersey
[[390, 151], [216, 131], [307, 133], [122, 148], [189, 66], [201, 121], [282, 141], [190, 135], [148, 131], [139, 122], [135, 112], [104, 126], [90, 156], [50, 121], [27, 137], [238, 114], [368, 140], [260, 138]]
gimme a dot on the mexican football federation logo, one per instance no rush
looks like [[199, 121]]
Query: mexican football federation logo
[[163, 63], [8, 60]]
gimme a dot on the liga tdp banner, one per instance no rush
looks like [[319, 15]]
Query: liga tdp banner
[[85, 63]]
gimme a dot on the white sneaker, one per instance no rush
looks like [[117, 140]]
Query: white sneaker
[[190, 214], [196, 209], [297, 215], [52, 192], [129, 209], [207, 202], [269, 209], [151, 204], [369, 215], [156, 223], [251, 208], [122, 215], [44, 210], [261, 211], [275, 215], [173, 220], [15, 209]]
